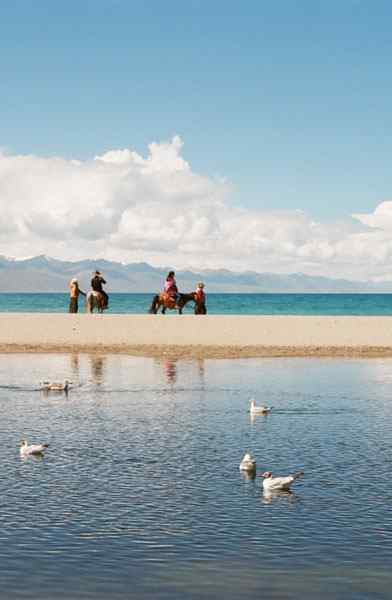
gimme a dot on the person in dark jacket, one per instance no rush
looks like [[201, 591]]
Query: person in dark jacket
[[96, 284]]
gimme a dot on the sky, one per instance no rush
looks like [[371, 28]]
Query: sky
[[240, 135]]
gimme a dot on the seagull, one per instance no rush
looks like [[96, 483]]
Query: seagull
[[248, 463], [32, 450], [52, 386], [258, 410], [279, 484]]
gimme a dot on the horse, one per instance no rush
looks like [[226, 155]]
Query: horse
[[95, 300], [166, 301]]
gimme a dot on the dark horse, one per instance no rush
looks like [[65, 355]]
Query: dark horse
[[168, 302], [95, 300]]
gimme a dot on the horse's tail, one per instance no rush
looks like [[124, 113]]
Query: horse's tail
[[89, 307], [154, 305]]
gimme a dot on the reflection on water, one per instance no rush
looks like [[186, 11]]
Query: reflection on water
[[287, 496], [74, 364], [171, 371], [97, 363], [248, 476], [200, 366], [26, 457], [140, 488]]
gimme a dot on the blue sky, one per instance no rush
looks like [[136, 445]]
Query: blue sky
[[288, 100]]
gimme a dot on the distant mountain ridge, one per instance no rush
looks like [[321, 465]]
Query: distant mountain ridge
[[45, 274]]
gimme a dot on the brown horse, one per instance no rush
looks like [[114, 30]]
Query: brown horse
[[95, 300], [166, 301]]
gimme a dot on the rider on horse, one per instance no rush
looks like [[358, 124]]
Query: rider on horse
[[171, 299], [96, 284], [170, 288]]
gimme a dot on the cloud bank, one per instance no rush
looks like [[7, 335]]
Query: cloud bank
[[122, 206]]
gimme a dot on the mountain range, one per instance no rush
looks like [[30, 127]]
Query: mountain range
[[45, 274]]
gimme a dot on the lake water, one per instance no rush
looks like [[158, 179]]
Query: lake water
[[140, 494], [226, 304]]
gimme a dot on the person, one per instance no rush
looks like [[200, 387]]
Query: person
[[96, 284], [200, 300], [171, 285], [200, 295], [74, 291]]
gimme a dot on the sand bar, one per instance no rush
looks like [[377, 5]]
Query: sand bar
[[197, 336]]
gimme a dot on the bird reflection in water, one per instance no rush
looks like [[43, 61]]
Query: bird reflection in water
[[97, 363], [269, 497], [248, 476]]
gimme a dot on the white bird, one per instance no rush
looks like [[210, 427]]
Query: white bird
[[258, 410], [278, 484], [52, 386], [33, 449], [248, 463]]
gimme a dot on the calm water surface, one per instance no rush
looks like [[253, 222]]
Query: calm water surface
[[140, 494]]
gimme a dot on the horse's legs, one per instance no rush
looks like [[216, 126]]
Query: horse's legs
[[180, 303], [163, 309], [154, 305]]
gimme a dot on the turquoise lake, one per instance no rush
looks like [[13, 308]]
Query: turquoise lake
[[226, 304]]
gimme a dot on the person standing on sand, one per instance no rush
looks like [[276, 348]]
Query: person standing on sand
[[74, 292], [200, 294], [200, 300]]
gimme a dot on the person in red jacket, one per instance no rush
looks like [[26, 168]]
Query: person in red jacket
[[200, 295]]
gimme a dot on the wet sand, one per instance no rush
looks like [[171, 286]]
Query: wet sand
[[214, 336]]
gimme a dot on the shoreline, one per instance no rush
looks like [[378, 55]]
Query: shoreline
[[203, 352]]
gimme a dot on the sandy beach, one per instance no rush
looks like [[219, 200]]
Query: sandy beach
[[215, 336]]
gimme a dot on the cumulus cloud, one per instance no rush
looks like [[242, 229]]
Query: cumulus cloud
[[381, 218], [123, 206]]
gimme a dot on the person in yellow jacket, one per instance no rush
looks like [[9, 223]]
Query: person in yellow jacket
[[74, 291]]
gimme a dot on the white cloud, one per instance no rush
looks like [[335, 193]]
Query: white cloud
[[381, 218], [125, 207]]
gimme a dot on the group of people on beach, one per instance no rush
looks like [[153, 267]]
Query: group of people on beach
[[170, 288], [97, 282], [96, 286]]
